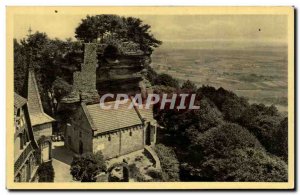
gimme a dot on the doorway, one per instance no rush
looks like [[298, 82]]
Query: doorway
[[148, 135]]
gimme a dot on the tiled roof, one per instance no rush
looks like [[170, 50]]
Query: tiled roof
[[36, 111], [103, 120], [19, 101], [38, 119]]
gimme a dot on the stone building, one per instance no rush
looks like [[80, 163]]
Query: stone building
[[113, 132], [108, 68], [40, 121], [25, 146]]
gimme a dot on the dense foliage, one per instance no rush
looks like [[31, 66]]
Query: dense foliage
[[132, 29], [228, 139], [87, 166], [45, 57], [169, 163], [46, 172]]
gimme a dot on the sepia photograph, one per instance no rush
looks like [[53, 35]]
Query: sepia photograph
[[150, 98]]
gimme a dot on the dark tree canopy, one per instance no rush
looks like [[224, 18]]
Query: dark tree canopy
[[126, 28], [45, 57]]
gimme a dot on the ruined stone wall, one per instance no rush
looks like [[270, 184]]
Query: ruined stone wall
[[85, 80]]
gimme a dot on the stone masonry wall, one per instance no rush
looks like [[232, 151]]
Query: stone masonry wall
[[120, 142], [85, 80]]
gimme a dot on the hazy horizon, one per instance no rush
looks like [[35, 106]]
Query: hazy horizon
[[234, 31]]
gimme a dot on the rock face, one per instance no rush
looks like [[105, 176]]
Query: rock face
[[114, 67], [120, 67]]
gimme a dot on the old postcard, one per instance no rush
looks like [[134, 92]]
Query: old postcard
[[150, 98]]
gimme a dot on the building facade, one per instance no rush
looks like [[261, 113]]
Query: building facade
[[25, 147], [40, 121], [113, 132]]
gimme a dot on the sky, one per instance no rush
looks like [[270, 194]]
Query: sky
[[172, 28]]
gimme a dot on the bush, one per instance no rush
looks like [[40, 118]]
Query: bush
[[46, 172], [85, 167], [135, 173], [155, 174], [169, 163]]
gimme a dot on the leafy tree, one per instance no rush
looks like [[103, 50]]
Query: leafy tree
[[94, 27], [167, 80], [248, 164], [190, 86], [20, 68], [128, 29], [46, 172], [233, 107], [87, 166], [221, 153], [140, 33], [61, 88], [268, 126], [169, 163], [45, 57], [218, 141], [282, 138]]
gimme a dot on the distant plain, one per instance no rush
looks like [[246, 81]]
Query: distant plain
[[259, 74]]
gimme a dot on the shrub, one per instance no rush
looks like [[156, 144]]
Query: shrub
[[86, 166], [155, 174], [46, 172], [135, 173]]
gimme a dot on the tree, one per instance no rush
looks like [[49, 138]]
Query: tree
[[248, 164], [217, 142], [169, 163], [20, 68], [45, 57], [94, 27], [87, 166], [167, 80], [46, 172], [190, 86], [128, 29], [268, 126], [230, 152], [282, 139]]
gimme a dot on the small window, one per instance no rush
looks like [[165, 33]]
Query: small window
[[21, 141], [80, 134], [109, 138], [130, 133]]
